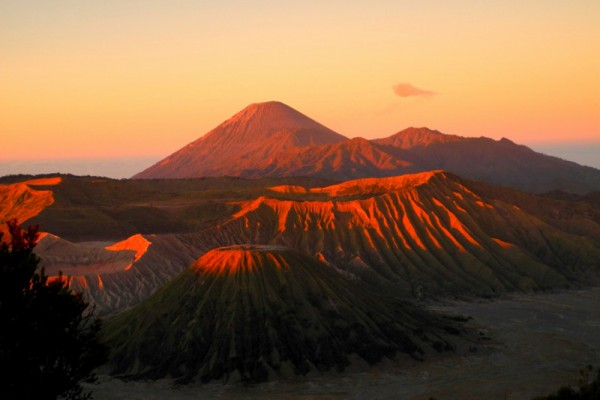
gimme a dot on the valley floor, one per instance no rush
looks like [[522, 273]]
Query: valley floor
[[539, 342]]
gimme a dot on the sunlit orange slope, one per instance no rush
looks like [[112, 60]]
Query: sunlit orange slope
[[21, 201], [256, 133], [427, 232], [241, 260], [136, 243]]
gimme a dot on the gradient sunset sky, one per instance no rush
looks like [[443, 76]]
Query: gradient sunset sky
[[91, 79]]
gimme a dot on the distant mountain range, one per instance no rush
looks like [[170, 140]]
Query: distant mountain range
[[273, 140]]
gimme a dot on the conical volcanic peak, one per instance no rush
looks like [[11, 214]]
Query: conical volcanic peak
[[256, 313], [272, 116], [248, 138]]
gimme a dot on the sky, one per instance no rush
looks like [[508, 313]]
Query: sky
[[82, 80]]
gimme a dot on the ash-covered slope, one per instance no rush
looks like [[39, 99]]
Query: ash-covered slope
[[253, 135], [351, 159], [254, 313], [428, 234], [117, 276]]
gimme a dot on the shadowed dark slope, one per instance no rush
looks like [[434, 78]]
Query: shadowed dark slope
[[254, 313], [499, 162], [95, 208]]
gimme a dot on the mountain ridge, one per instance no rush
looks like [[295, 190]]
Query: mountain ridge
[[412, 137], [273, 140], [402, 227], [429, 235]]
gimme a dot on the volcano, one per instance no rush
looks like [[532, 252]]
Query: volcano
[[430, 234], [254, 134], [426, 235], [254, 313], [273, 140]]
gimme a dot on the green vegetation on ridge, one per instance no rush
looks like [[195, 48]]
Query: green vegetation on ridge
[[255, 313]]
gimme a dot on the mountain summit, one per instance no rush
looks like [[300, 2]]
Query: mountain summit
[[252, 135]]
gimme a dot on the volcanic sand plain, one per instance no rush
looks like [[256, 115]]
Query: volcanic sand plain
[[537, 342]]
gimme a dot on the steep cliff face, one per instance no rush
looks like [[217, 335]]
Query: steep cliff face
[[427, 233], [254, 313]]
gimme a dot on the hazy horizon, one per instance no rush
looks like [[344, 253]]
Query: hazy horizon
[[125, 167], [113, 167]]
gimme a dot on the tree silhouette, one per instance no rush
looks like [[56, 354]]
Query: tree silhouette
[[589, 387], [48, 334]]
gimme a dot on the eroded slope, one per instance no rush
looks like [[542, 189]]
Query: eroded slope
[[254, 313], [426, 233]]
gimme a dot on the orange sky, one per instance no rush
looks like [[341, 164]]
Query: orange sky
[[138, 78]]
